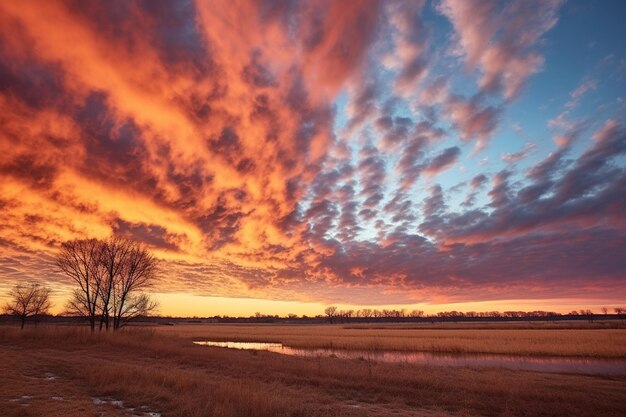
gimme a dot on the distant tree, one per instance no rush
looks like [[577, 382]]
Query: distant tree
[[389, 313], [621, 312], [416, 313], [604, 310], [331, 312], [292, 316], [28, 300], [588, 313]]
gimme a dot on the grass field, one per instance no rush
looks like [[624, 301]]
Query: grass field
[[59, 371], [597, 342]]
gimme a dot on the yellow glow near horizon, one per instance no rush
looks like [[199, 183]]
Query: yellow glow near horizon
[[190, 305]]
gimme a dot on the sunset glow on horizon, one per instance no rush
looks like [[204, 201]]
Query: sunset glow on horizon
[[280, 157]]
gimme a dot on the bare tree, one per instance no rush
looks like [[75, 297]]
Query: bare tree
[[80, 261], [330, 312], [113, 259], [28, 301], [110, 274], [137, 272]]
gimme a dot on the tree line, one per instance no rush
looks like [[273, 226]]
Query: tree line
[[109, 277], [332, 313]]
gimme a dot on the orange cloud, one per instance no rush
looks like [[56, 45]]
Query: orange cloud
[[216, 134]]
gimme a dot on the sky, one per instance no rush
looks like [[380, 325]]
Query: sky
[[282, 156]]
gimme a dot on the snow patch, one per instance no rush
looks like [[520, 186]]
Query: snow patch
[[129, 410]]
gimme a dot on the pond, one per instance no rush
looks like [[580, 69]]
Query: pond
[[528, 363]]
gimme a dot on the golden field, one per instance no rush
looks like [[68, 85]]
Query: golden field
[[500, 338], [58, 371]]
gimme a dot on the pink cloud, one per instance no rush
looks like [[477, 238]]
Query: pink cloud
[[501, 43]]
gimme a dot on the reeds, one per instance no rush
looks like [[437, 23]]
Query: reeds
[[591, 343], [163, 370]]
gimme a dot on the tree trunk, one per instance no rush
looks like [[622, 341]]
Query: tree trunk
[[23, 321]]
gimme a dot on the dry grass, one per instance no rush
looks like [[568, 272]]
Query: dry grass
[[596, 343], [161, 369]]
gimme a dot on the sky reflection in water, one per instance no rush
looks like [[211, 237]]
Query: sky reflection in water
[[528, 363]]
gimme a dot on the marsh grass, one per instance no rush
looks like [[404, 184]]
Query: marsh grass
[[164, 371], [589, 343]]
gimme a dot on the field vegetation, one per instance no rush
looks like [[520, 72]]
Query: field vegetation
[[592, 341], [67, 371]]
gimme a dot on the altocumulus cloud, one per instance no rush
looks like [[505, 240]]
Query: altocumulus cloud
[[301, 150]]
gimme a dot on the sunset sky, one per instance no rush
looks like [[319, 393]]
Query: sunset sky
[[281, 156]]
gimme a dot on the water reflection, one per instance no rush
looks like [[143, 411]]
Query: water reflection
[[273, 347], [529, 363]]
